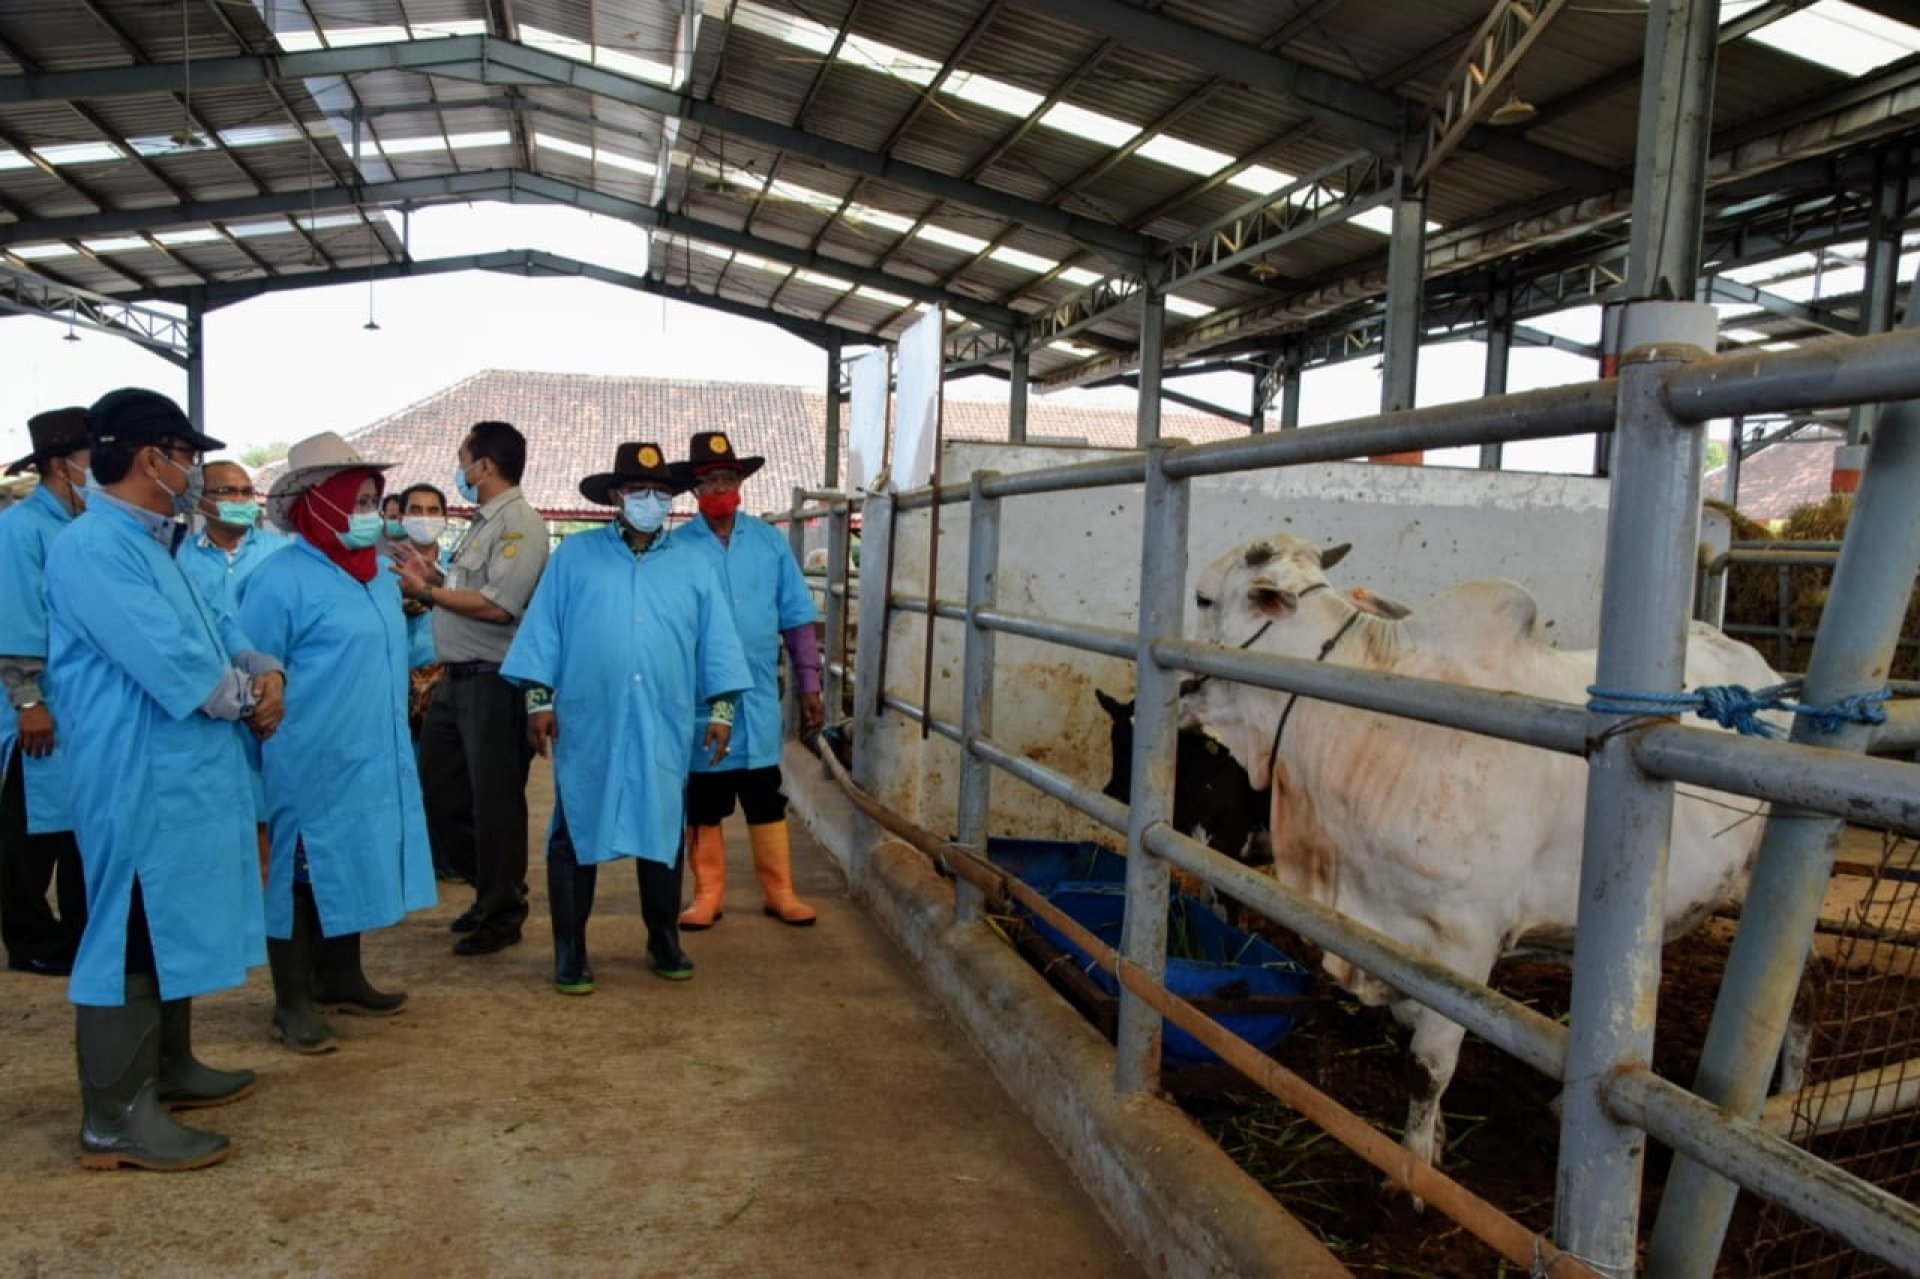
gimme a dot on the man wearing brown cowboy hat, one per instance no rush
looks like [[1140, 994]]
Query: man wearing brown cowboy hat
[[770, 604], [36, 834], [627, 645]]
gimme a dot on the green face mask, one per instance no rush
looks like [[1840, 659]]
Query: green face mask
[[396, 529], [245, 514]]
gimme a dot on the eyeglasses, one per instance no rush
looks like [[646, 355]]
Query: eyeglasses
[[233, 490], [655, 489], [171, 447], [720, 482]]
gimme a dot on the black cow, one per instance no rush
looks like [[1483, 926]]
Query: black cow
[[1212, 799]]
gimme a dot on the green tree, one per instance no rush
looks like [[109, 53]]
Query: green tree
[[1716, 455], [261, 454]]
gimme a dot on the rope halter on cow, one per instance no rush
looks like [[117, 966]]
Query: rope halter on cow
[[1293, 699]]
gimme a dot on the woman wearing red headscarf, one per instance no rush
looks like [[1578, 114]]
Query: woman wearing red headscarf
[[349, 838]]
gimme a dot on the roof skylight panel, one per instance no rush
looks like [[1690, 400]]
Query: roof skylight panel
[[1022, 259], [599, 55], [1180, 154], [80, 153], [802, 33], [951, 239], [1261, 180], [1187, 306], [1080, 277], [995, 95], [1072, 348], [1743, 335], [1065, 117], [191, 235], [596, 155], [40, 252], [879, 56], [11, 159], [821, 280], [881, 296], [1841, 37], [115, 244], [446, 142], [247, 230]]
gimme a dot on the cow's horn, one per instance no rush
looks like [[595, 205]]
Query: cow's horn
[[1334, 554]]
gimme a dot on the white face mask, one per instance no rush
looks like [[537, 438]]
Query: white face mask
[[424, 530]]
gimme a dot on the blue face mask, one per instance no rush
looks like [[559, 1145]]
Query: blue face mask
[[467, 488], [363, 530], [646, 512], [245, 514]]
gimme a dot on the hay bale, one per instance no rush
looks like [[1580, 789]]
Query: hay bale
[[1754, 590]]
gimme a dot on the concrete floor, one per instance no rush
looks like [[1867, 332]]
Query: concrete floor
[[801, 1107]]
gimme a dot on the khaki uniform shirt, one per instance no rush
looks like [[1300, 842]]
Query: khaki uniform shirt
[[501, 555]]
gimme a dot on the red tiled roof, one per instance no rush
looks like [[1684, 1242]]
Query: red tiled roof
[[1780, 479], [574, 421]]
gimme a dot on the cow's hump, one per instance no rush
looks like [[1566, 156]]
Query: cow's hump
[[1475, 617]]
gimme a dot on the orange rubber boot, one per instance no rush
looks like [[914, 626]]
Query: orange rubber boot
[[773, 862], [707, 853]]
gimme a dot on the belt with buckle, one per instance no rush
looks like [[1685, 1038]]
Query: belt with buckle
[[465, 670]]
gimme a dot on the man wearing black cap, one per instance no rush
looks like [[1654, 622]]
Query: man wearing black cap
[[151, 683], [36, 835]]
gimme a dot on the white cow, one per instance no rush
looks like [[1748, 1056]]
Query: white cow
[[1462, 847]]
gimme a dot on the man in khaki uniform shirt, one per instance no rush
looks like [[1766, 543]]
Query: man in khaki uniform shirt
[[473, 743]]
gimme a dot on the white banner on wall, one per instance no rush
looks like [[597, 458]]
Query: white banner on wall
[[916, 416], [867, 422]]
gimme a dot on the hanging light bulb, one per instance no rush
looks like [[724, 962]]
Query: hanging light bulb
[[372, 325], [71, 335]]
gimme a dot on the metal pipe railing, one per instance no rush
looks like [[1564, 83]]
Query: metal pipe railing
[[1072, 792], [919, 716], [1514, 717], [1109, 640], [1867, 1217], [1872, 792], [1506, 1023], [1883, 367], [951, 610]]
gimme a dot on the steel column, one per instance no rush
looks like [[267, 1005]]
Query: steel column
[[869, 663], [830, 473], [1406, 258], [976, 708], [1670, 174], [1851, 654], [1883, 280], [1017, 388], [1499, 344], [1156, 727], [1153, 334], [197, 361], [1290, 395], [839, 575], [797, 543], [1652, 528]]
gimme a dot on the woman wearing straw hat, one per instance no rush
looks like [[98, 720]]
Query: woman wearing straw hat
[[349, 837]]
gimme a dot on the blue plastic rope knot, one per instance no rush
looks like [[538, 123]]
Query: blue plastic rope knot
[[1738, 707]]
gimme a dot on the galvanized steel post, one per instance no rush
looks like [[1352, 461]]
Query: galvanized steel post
[[1852, 653], [1499, 345], [976, 706], [197, 359], [1652, 526], [1017, 388], [1156, 721], [869, 663], [830, 472], [839, 598], [1153, 334], [797, 542]]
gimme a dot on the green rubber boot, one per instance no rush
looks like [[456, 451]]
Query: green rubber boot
[[125, 1126], [186, 1082], [296, 1021], [340, 985]]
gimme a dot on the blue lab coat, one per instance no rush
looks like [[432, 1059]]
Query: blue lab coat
[[340, 774], [158, 790], [26, 531], [220, 580], [767, 594], [633, 649]]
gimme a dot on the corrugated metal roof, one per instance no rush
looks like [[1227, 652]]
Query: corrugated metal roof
[[1015, 103]]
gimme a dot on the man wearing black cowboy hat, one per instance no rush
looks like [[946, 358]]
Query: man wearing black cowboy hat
[[627, 645], [771, 604], [36, 834]]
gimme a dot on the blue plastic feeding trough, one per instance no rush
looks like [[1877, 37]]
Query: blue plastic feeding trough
[[1208, 960]]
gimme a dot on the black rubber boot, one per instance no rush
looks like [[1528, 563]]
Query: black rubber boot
[[340, 985], [125, 1125], [186, 1082], [569, 901], [660, 912], [296, 1021]]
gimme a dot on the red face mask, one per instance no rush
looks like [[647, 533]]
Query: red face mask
[[719, 505]]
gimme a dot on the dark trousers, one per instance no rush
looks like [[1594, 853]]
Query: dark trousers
[[473, 778], [710, 796], [570, 888], [29, 864]]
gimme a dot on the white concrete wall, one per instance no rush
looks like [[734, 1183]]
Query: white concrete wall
[[1076, 556]]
